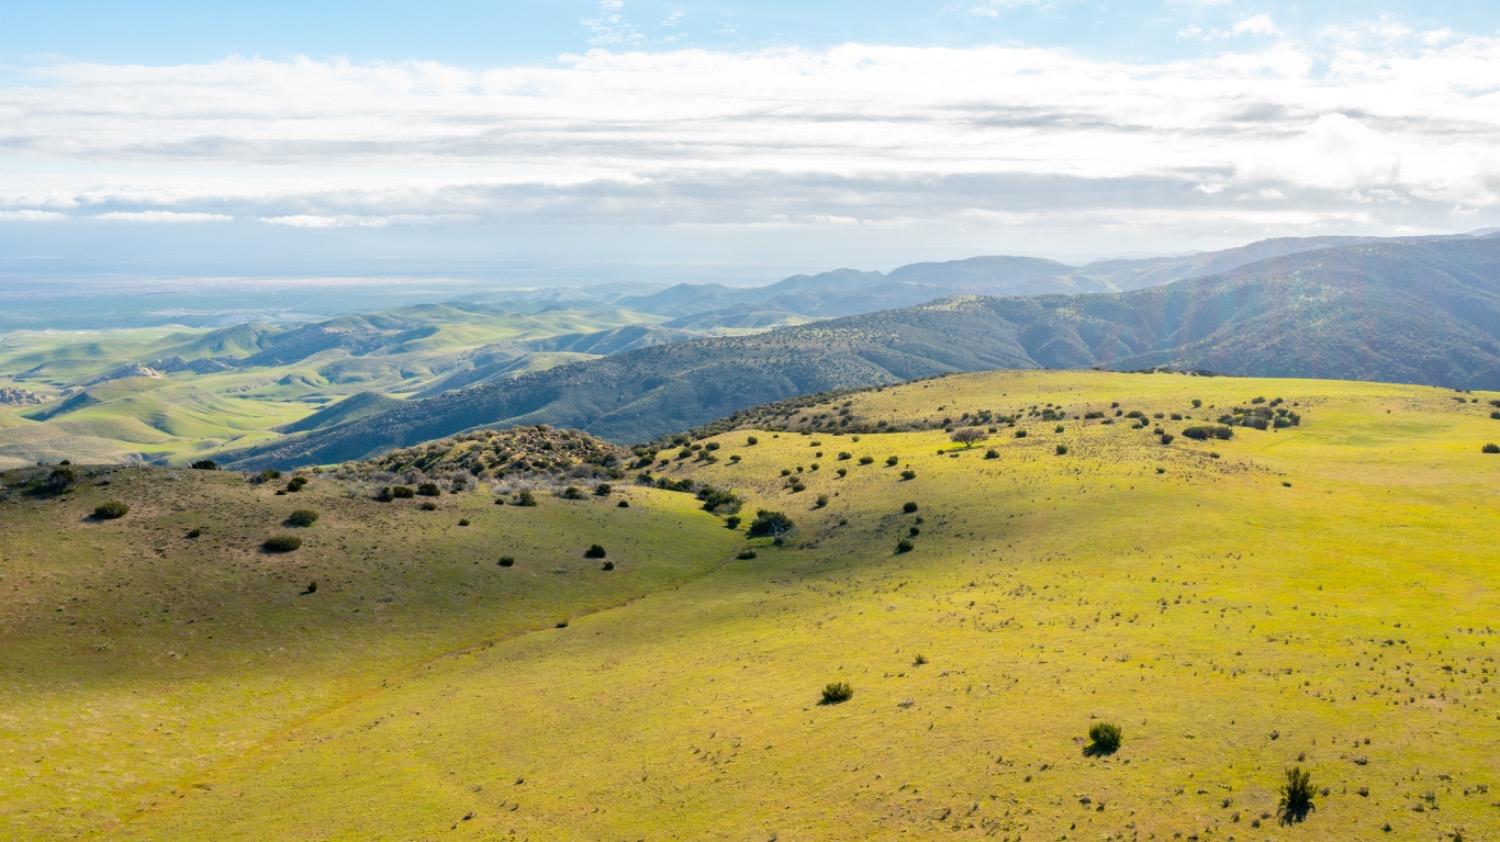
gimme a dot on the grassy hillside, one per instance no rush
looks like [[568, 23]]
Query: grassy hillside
[[209, 390], [1318, 596]]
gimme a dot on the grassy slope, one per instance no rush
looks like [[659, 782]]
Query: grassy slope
[[186, 415], [1204, 609], [137, 661]]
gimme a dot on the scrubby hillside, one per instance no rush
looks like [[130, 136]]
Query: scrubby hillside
[[927, 643]]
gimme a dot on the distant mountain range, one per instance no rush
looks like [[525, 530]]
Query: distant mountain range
[[1421, 310]]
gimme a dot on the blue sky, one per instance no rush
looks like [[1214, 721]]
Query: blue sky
[[634, 139], [478, 33]]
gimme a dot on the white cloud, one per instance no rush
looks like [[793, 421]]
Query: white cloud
[[1260, 25], [30, 215], [608, 27], [161, 216], [994, 8], [777, 137]]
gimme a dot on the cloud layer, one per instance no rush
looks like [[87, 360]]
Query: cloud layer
[[1375, 127]]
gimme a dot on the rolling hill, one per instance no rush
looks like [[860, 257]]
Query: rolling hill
[[1317, 596], [1418, 311]]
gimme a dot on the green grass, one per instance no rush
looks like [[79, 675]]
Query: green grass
[[1328, 584]]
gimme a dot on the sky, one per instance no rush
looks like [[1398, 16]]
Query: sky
[[634, 140]]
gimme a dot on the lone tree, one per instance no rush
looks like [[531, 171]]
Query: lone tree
[[969, 436], [773, 524]]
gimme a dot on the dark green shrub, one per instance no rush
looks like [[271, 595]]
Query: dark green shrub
[[205, 465], [904, 546], [429, 506], [836, 692], [57, 481], [1296, 796], [623, 504], [866, 460], [821, 501], [281, 543], [1104, 738], [572, 492], [296, 484], [732, 522], [1166, 438], [1020, 434], [608, 565], [111, 510], [890, 461], [842, 472], [603, 489], [195, 532], [1204, 433], [524, 497], [463, 521], [908, 474], [746, 554], [302, 517], [1062, 450], [594, 551], [992, 453], [908, 507], [429, 489], [1491, 448], [774, 524], [845, 455], [506, 561], [402, 492], [752, 441], [267, 475]]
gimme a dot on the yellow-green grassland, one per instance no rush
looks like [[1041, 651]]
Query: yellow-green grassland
[[1323, 595]]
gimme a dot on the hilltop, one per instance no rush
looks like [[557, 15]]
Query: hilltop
[[1319, 594]]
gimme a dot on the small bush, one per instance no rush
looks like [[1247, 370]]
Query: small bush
[[1104, 738], [774, 524], [623, 504], [866, 460], [281, 543], [402, 492], [908, 474], [732, 522], [1020, 434], [603, 489], [821, 501], [1166, 438], [836, 692], [1491, 448], [908, 507], [506, 561], [752, 441], [524, 497], [746, 554], [429, 489], [1296, 796], [296, 484], [992, 453], [608, 565], [429, 506], [904, 546], [111, 510], [594, 551], [572, 492], [302, 517], [463, 521], [195, 532], [205, 465], [1062, 450]]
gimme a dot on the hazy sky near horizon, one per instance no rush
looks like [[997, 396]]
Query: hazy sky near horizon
[[615, 138]]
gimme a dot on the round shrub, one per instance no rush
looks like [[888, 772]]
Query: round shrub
[[111, 510], [603, 489], [506, 561], [608, 565], [908, 507], [905, 546], [594, 551], [836, 692], [302, 517], [908, 474], [205, 465], [623, 504], [429, 506], [1104, 738], [429, 489], [992, 453], [572, 492], [746, 555], [1062, 450], [281, 543], [1491, 448]]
